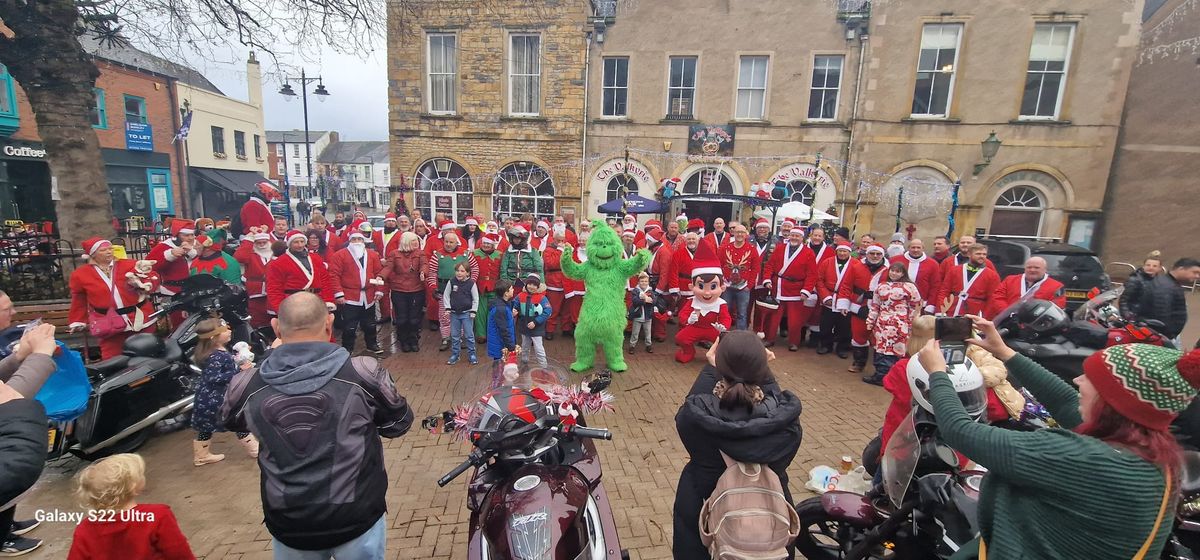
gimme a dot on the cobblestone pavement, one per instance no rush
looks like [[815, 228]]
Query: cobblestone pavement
[[219, 509]]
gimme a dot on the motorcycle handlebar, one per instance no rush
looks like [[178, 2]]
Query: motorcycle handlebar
[[594, 433], [454, 473]]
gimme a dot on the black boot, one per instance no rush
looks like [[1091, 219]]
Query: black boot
[[824, 348], [860, 359], [873, 379], [841, 350]]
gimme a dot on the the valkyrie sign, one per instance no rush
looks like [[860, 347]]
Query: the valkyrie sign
[[808, 173]]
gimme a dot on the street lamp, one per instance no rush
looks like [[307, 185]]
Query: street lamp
[[288, 94], [990, 146]]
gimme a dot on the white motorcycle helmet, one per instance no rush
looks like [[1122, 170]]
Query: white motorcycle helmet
[[967, 380]]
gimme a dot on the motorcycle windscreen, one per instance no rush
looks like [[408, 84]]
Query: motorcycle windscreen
[[1010, 312], [1091, 308], [900, 460], [474, 395]]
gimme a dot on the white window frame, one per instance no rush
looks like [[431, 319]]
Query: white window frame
[[297, 168], [1066, 71], [837, 89], [737, 98], [962, 28], [694, 87], [605, 88], [512, 60], [452, 99]]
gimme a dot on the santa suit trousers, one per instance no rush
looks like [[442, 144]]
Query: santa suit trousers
[[556, 311], [688, 336], [859, 336], [761, 315], [797, 317], [259, 317]]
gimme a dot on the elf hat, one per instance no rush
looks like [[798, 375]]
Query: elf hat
[[292, 235], [214, 238], [491, 238], [1148, 384], [705, 261], [181, 226], [91, 245]]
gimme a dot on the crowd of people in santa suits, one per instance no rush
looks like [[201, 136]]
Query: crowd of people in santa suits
[[816, 284]]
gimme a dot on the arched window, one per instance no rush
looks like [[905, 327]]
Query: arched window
[[442, 185], [708, 180], [523, 188], [621, 185], [796, 190], [1018, 213]]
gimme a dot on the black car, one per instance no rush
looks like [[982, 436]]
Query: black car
[[1077, 268]]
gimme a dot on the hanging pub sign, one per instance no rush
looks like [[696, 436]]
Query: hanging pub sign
[[710, 140]]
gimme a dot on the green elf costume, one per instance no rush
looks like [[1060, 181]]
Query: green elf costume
[[213, 260]]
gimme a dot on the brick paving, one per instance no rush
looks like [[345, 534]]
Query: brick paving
[[219, 510]]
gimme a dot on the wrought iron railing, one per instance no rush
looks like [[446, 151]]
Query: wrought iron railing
[[38, 266]]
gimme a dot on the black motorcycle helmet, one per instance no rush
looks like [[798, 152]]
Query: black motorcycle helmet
[[505, 410], [1040, 317], [144, 345]]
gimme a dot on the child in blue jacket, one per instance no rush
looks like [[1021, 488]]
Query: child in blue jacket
[[501, 326]]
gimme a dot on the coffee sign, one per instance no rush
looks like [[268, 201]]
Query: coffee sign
[[24, 151]]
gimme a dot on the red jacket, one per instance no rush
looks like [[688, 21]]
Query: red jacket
[[681, 271], [286, 276], [792, 273], [970, 297], [256, 213], [489, 270], [404, 271], [392, 244], [1013, 287], [740, 264], [171, 270], [147, 531], [856, 285], [254, 269], [711, 239], [571, 286], [829, 283], [552, 261], [955, 260], [708, 318], [660, 267], [90, 290], [928, 277], [352, 279]]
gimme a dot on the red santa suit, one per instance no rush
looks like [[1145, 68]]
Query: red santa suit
[[1016, 286], [555, 286], [716, 241], [333, 244], [821, 252], [681, 272], [256, 213], [94, 291], [953, 261], [971, 294], [659, 270], [764, 251], [574, 291], [254, 270], [792, 274], [926, 273], [702, 318], [289, 274], [173, 270], [858, 287], [358, 282]]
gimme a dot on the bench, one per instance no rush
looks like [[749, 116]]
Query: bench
[[54, 312]]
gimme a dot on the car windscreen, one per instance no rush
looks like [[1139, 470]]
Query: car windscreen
[[1072, 263]]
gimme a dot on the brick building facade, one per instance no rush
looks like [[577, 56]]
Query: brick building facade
[[486, 110]]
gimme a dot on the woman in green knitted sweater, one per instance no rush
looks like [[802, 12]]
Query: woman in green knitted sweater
[[1104, 487]]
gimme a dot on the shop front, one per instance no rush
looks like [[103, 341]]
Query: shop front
[[25, 184], [139, 184]]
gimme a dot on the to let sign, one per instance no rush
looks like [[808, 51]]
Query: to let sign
[[139, 137]]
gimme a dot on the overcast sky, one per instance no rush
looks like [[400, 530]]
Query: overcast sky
[[356, 106]]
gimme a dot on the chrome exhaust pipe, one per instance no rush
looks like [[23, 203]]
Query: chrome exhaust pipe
[[179, 406]]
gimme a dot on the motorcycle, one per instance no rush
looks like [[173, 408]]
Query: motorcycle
[[1045, 333], [927, 509], [153, 380], [536, 492]]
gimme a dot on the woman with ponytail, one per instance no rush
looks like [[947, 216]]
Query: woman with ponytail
[[1102, 485], [736, 407]]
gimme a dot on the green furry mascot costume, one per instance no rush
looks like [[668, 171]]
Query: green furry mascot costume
[[602, 318]]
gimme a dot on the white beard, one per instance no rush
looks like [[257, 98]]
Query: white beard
[[265, 252], [560, 228], [357, 250]]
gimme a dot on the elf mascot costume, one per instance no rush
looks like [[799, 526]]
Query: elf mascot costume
[[606, 275]]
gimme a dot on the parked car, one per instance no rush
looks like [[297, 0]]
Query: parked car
[[1077, 268], [375, 221]]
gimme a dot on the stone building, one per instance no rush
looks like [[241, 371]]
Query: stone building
[[900, 94], [486, 106], [1154, 188]]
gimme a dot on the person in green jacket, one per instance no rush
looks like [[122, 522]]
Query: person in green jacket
[[520, 260], [1105, 484], [214, 260]]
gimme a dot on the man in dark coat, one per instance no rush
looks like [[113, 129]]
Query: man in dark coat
[[769, 435], [1162, 299]]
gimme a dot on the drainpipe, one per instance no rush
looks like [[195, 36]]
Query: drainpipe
[[862, 49], [583, 171], [181, 159]]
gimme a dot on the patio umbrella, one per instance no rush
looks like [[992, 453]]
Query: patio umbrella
[[632, 204], [799, 211]]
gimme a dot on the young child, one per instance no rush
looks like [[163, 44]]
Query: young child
[[641, 312], [533, 309], [120, 527], [501, 326], [219, 367], [460, 300]]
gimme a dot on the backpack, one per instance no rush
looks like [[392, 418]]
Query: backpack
[[747, 516]]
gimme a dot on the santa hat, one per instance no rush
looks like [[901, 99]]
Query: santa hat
[[629, 233], [471, 221], [652, 225], [389, 217], [542, 223], [491, 238], [761, 222], [518, 229], [1148, 384], [360, 213], [844, 247], [798, 229], [357, 235], [655, 234], [293, 234], [695, 223], [446, 225], [261, 236], [705, 261], [876, 249], [181, 226], [91, 245]]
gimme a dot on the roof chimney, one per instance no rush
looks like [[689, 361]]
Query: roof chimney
[[254, 81]]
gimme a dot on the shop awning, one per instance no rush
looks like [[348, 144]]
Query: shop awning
[[236, 182]]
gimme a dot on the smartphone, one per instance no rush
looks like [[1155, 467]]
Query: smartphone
[[952, 333]]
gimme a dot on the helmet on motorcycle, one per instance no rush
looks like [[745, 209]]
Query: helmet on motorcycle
[[504, 411], [144, 345], [1039, 317], [967, 379]]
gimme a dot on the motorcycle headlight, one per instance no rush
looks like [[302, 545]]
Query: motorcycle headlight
[[1190, 507]]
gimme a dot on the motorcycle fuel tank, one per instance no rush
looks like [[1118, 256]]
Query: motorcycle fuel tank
[[537, 514]]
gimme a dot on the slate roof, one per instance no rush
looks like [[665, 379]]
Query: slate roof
[[354, 152], [131, 56], [294, 136]]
